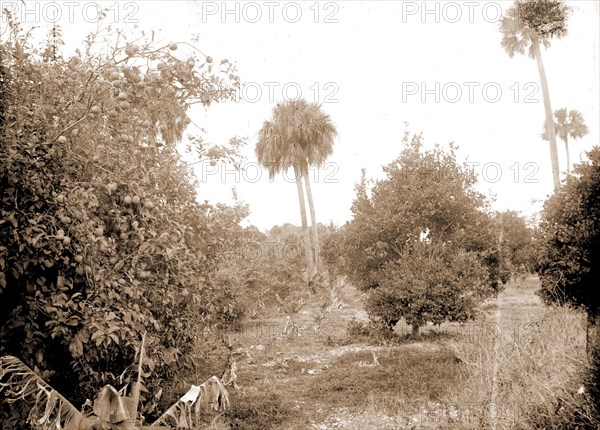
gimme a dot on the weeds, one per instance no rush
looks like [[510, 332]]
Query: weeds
[[257, 409], [539, 370], [412, 374], [380, 378]]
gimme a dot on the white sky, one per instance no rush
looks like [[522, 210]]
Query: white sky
[[362, 67]]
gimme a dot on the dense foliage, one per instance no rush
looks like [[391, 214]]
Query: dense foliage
[[418, 239], [101, 236], [517, 249], [258, 266], [570, 239], [428, 283], [569, 251]]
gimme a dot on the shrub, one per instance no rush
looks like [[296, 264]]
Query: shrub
[[418, 239], [428, 284], [531, 372], [569, 235], [101, 237], [370, 332]]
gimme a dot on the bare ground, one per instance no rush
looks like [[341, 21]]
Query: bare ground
[[330, 383]]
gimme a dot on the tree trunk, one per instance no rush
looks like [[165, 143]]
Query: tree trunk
[[549, 115], [313, 220], [568, 157], [500, 255], [415, 330], [307, 251], [592, 341]]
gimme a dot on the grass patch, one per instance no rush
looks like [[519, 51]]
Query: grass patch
[[528, 371], [255, 409], [408, 373], [526, 359]]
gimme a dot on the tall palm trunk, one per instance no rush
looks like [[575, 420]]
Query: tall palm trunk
[[313, 220], [549, 116], [568, 157], [307, 251], [500, 244]]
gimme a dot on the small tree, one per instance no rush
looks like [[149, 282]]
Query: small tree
[[516, 245], [417, 240], [429, 282]]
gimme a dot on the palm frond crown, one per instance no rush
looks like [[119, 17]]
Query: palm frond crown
[[528, 20], [298, 135], [567, 124]]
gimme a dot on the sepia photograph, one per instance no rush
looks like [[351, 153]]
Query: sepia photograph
[[299, 215]]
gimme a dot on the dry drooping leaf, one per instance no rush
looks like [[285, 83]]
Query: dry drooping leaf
[[50, 410], [211, 393]]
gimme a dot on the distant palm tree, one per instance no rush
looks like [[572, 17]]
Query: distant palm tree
[[275, 152], [527, 24], [316, 141], [299, 135], [567, 124]]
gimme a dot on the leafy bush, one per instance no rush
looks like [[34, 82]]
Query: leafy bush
[[418, 240], [368, 331], [446, 287], [569, 237], [101, 237], [517, 247], [258, 267], [569, 251]]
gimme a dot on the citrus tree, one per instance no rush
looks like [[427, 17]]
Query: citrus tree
[[259, 267], [101, 236], [419, 239], [568, 253], [568, 240], [516, 244]]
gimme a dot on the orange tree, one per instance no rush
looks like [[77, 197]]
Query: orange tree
[[568, 252], [568, 238], [517, 246], [419, 241], [101, 237], [257, 267]]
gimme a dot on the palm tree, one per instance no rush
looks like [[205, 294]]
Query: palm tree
[[275, 152], [527, 24], [567, 124], [316, 141], [299, 135]]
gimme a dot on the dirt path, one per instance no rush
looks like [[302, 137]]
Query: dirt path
[[288, 364], [497, 342]]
